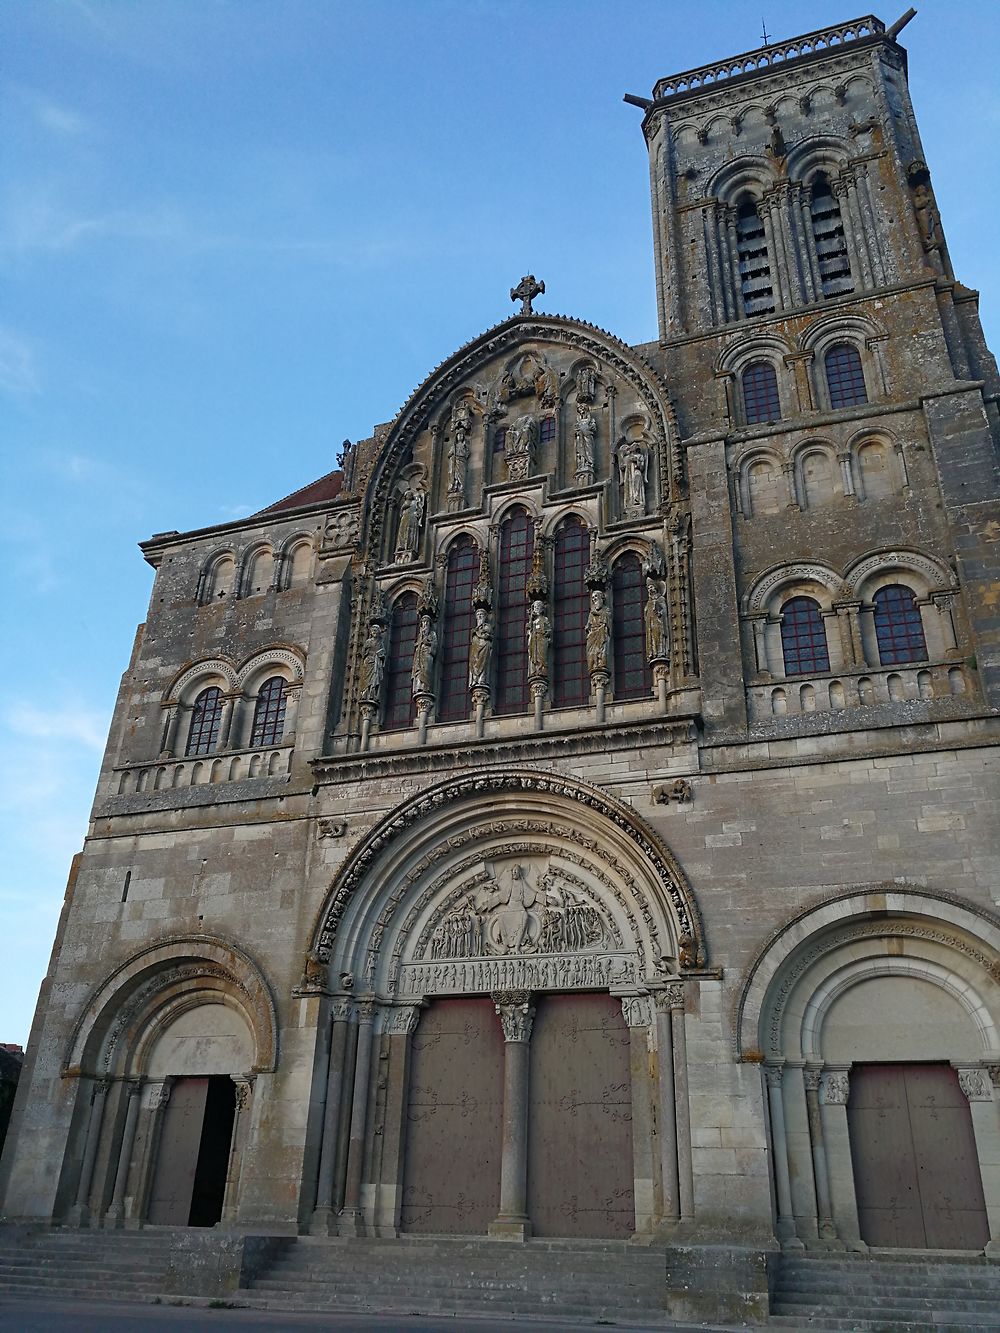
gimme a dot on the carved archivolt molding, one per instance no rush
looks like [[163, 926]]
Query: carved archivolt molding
[[133, 991], [286, 655], [903, 912], [937, 576], [290, 658], [567, 794]]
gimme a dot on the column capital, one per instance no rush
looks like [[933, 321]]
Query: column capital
[[774, 1072], [836, 1087], [975, 1083], [637, 1011], [671, 996], [516, 1013], [244, 1089], [402, 1020]]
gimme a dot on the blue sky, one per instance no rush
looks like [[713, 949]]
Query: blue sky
[[235, 232]]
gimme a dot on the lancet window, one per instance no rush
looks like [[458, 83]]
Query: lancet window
[[899, 630], [206, 716], [269, 713], [460, 578], [633, 677], [517, 544], [571, 681], [399, 705], [803, 637]]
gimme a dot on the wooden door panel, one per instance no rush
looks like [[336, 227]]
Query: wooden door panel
[[454, 1119], [580, 1170], [177, 1153], [916, 1168]]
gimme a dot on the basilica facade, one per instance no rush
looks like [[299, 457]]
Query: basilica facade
[[576, 815]]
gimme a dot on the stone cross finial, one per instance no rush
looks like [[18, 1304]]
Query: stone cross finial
[[526, 291]]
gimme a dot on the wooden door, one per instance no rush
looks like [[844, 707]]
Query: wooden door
[[454, 1120], [177, 1153], [580, 1166], [916, 1169]]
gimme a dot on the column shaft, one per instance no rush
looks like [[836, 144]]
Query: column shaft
[[352, 1221], [322, 1219], [516, 1015], [117, 1209]]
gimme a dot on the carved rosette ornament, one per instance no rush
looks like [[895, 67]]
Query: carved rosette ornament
[[836, 1087], [516, 1013]]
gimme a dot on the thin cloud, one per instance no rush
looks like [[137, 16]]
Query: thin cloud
[[80, 726], [18, 368]]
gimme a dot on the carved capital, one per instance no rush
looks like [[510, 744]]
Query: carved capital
[[341, 1011], [636, 1011], [244, 1090], [975, 1084], [365, 1010], [516, 1013], [671, 996], [836, 1087], [812, 1079], [402, 1021], [159, 1094], [773, 1075]]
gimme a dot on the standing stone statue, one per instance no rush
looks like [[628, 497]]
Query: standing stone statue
[[519, 447], [584, 436], [373, 663], [586, 384], [424, 653], [539, 630], [657, 622], [411, 517], [480, 650], [633, 464], [458, 449], [598, 633]]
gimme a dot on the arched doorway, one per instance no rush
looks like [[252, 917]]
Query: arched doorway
[[166, 1053], [508, 947], [875, 1017]]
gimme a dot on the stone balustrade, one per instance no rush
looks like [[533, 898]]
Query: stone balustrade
[[233, 766], [860, 688]]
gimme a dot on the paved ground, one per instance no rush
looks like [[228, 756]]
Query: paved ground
[[48, 1316]]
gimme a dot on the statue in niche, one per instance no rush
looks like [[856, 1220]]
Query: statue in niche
[[926, 211], [480, 649], [584, 437], [598, 633], [373, 663], [519, 447], [633, 465], [412, 501], [458, 448], [657, 622], [539, 631], [586, 384], [424, 653]]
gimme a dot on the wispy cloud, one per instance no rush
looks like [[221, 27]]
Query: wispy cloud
[[69, 725], [18, 367]]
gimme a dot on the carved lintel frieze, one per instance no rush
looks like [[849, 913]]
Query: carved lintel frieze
[[516, 1013]]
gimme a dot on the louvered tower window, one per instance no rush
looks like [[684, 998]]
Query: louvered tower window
[[755, 266], [831, 245], [463, 567], [571, 680]]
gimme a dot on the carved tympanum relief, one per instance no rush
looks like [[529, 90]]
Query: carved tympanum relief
[[519, 909]]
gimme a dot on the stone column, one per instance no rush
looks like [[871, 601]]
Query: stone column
[[670, 1207], [226, 728], [516, 1016], [854, 229], [400, 1025], [352, 1217], [682, 1105], [710, 240], [775, 256], [293, 695], [847, 475], [785, 1223], [231, 1198], [813, 281], [115, 1215], [79, 1214], [800, 364], [638, 1015], [834, 1092], [174, 710], [323, 1221], [977, 1085], [732, 252], [944, 604], [866, 212], [821, 1173]]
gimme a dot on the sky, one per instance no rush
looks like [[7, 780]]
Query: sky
[[234, 233]]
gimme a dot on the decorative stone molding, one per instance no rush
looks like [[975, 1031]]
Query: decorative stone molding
[[341, 531], [244, 1089], [670, 997], [516, 1013], [330, 828], [402, 1020], [637, 1011], [975, 1083], [679, 792], [836, 1085]]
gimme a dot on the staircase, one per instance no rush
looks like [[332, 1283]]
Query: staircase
[[123, 1265], [589, 1281], [895, 1292]]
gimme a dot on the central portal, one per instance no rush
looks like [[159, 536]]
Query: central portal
[[580, 1164]]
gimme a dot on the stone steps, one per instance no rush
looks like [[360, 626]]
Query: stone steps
[[900, 1293]]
